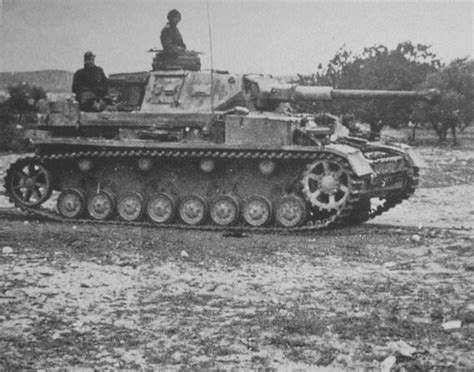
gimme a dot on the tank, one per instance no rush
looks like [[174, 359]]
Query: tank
[[212, 150]]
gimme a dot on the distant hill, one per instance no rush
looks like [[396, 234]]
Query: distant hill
[[52, 81]]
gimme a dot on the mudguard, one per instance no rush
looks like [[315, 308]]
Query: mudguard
[[412, 157], [354, 156]]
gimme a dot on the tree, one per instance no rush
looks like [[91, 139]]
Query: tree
[[24, 100], [18, 111], [377, 67], [456, 104]]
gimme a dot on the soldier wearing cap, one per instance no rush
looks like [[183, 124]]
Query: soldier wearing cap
[[171, 38], [90, 85]]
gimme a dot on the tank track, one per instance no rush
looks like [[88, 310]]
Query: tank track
[[393, 200], [311, 225], [414, 180]]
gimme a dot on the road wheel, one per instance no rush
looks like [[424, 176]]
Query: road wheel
[[71, 203]]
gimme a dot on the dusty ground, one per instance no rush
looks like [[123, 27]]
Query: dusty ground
[[375, 296]]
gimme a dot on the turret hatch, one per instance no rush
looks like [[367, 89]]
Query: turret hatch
[[165, 89]]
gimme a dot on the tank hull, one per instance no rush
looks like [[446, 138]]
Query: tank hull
[[200, 150]]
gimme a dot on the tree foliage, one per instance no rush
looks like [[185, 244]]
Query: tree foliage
[[24, 98], [377, 67], [456, 104], [17, 113]]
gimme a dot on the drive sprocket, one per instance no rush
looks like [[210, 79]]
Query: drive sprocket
[[327, 184]]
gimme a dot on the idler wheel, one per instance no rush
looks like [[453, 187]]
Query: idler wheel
[[29, 183], [71, 203], [101, 205], [290, 211], [257, 211], [130, 206], [225, 210], [161, 208], [193, 210], [326, 184]]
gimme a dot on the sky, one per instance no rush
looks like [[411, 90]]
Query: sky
[[274, 37]]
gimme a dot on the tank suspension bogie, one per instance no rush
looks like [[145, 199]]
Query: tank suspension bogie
[[131, 206], [257, 211], [161, 208], [290, 211], [30, 183], [225, 210], [71, 203], [194, 209], [101, 205], [85, 165]]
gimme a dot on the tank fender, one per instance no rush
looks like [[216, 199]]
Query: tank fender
[[412, 157], [354, 156]]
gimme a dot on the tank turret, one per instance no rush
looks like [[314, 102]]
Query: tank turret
[[176, 90]]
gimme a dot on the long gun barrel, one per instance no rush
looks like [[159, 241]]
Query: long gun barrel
[[304, 93], [267, 91]]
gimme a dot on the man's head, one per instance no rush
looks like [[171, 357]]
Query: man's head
[[174, 17], [89, 59]]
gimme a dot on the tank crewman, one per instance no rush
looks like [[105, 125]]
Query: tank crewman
[[171, 38], [90, 85]]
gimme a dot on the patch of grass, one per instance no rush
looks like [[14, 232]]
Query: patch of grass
[[289, 341], [261, 363], [184, 300], [327, 357], [302, 322], [378, 329], [38, 348], [212, 347]]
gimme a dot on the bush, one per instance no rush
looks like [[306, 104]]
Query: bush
[[17, 114], [455, 108], [11, 134]]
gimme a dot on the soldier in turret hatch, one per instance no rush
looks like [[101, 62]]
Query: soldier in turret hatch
[[171, 38], [90, 85]]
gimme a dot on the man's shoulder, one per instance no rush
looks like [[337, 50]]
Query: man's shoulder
[[85, 71], [167, 28]]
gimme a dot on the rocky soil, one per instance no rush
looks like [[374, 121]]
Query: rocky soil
[[394, 294]]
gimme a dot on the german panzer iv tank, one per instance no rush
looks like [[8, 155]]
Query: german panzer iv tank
[[193, 149]]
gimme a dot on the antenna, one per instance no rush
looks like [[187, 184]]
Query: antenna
[[212, 62]]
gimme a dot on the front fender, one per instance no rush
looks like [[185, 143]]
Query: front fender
[[359, 164], [413, 158]]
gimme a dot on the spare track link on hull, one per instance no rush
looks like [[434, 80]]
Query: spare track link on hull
[[311, 224]]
